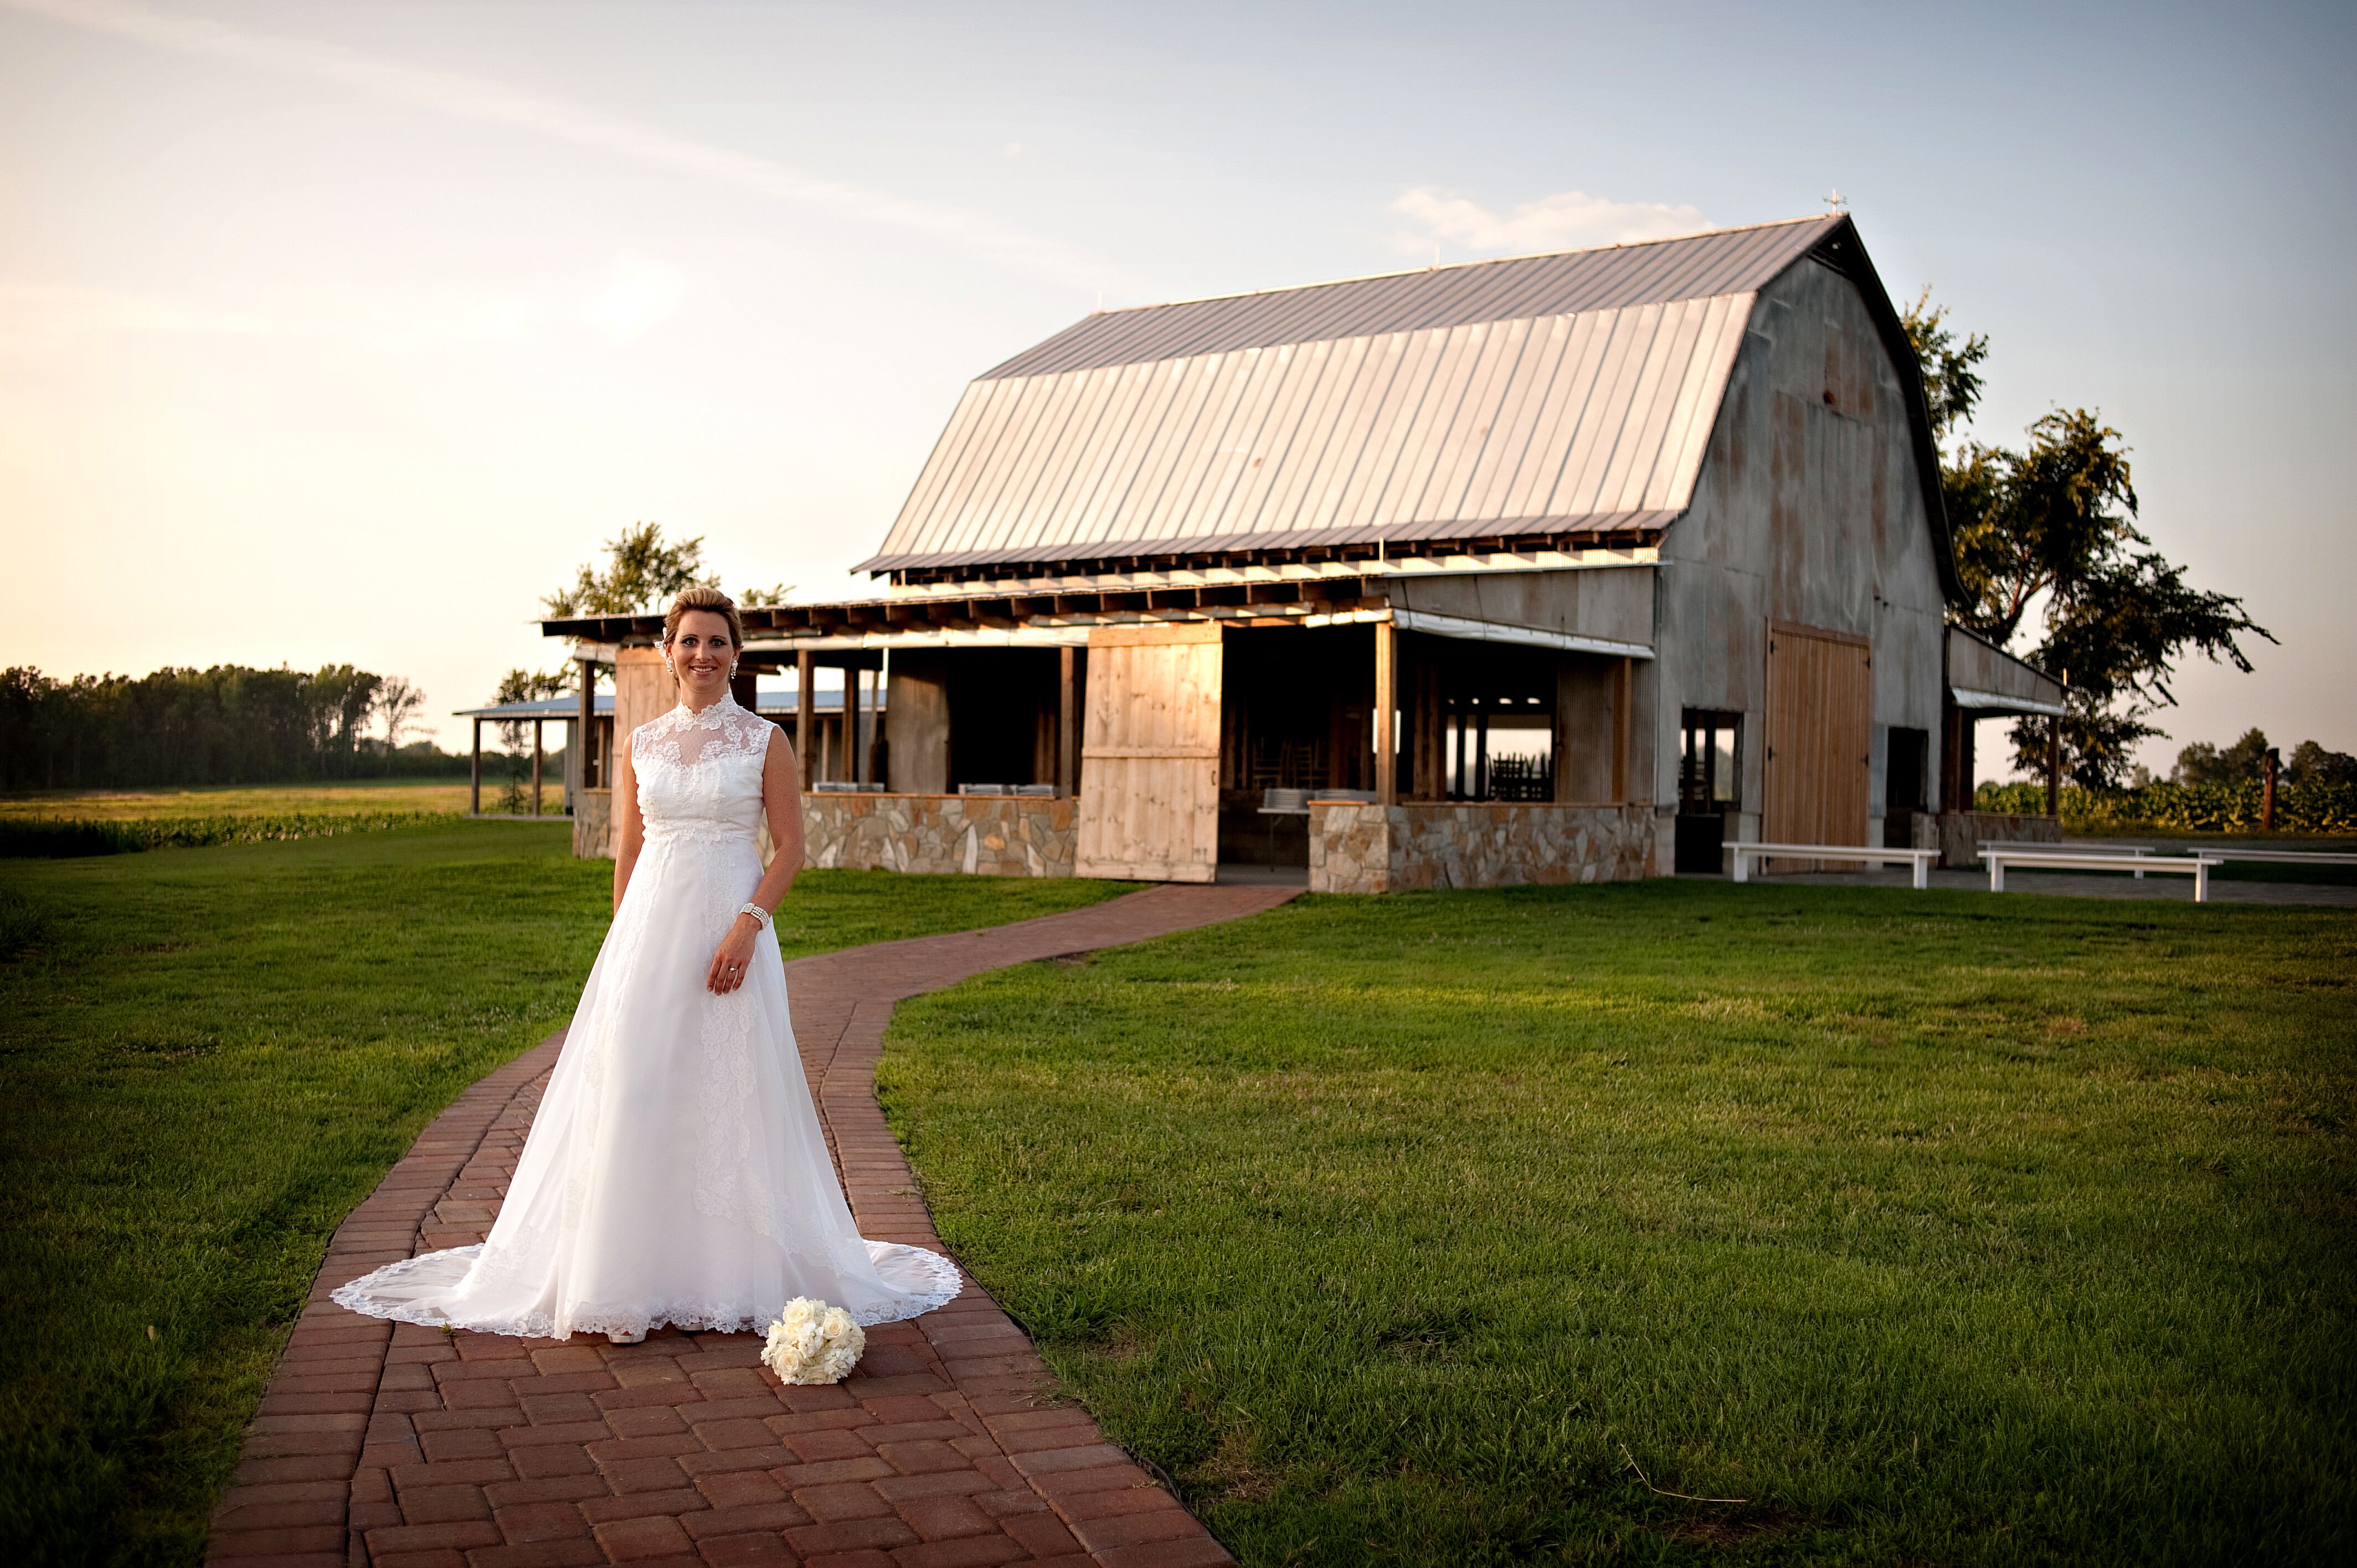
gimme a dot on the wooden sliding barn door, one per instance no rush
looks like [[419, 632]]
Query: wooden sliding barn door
[[1820, 736], [1150, 754]]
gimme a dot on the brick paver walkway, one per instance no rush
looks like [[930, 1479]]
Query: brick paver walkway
[[397, 1446]]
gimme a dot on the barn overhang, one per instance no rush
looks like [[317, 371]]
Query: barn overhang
[[1986, 682]]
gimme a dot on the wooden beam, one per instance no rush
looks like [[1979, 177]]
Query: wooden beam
[[537, 752], [475, 775], [855, 758], [1067, 722], [1622, 682], [1386, 707], [584, 727], [2054, 765], [805, 712]]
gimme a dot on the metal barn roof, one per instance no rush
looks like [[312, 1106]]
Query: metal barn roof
[[1546, 394]]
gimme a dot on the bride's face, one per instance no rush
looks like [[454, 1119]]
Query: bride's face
[[701, 654]]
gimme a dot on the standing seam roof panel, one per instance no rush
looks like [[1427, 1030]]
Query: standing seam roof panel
[[1552, 393], [1446, 475], [1422, 431], [1726, 262]]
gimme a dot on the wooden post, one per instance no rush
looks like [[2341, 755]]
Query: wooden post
[[584, 727], [1622, 682], [2267, 797], [2054, 765], [1067, 722], [536, 756], [475, 776], [854, 753], [1386, 712], [805, 712]]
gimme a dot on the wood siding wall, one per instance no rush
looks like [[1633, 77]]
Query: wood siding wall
[[1820, 736], [1150, 751]]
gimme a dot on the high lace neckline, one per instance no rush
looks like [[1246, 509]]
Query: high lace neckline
[[726, 705]]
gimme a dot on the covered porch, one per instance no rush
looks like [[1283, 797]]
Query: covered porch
[[1983, 682], [1360, 734]]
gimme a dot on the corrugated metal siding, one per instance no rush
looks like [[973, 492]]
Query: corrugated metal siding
[[1531, 425], [1730, 260]]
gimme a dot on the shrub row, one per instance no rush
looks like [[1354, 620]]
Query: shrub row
[[67, 837], [2309, 807]]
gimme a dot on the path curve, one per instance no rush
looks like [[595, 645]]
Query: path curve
[[391, 1445]]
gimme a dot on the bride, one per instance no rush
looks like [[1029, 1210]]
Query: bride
[[675, 1172]]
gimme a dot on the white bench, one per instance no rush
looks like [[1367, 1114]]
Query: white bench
[[2031, 847], [1920, 859], [2273, 856], [2052, 857]]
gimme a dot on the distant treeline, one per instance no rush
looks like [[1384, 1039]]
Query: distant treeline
[[228, 724]]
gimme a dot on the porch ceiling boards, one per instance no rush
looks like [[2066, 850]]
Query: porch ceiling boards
[[1550, 397]]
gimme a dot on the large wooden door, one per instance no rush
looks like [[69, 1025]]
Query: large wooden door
[[1150, 754], [1820, 736]]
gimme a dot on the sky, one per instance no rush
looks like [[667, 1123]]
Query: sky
[[341, 332]]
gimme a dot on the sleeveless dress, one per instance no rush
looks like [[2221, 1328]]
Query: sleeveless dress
[[675, 1172]]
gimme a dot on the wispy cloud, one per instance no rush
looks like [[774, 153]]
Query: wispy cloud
[[1563, 222], [488, 101]]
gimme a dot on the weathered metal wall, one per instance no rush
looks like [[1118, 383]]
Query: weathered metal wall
[[1808, 508], [1614, 603]]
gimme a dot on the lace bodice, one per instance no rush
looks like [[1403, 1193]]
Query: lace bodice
[[699, 774]]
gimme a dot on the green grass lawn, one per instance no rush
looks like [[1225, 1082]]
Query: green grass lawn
[[208, 1056], [1938, 1228]]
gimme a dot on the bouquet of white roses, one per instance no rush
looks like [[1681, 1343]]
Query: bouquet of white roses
[[812, 1342]]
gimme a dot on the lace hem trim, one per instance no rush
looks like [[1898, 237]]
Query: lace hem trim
[[942, 1285]]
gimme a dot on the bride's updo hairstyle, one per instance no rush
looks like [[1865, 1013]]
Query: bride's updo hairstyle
[[711, 601]]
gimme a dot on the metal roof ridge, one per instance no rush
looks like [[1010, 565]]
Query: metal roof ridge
[[1463, 266]]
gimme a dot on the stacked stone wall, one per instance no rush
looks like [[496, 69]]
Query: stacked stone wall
[[593, 824], [983, 835], [1356, 848], [1962, 834]]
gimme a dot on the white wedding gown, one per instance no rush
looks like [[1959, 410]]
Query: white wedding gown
[[675, 1172]]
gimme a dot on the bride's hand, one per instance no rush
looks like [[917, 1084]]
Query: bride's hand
[[734, 957]]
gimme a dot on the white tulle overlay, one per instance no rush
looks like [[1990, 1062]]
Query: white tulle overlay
[[675, 1172]]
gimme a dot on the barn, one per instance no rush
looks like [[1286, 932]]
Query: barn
[[1560, 568]]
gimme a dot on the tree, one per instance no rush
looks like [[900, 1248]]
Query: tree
[[2202, 763], [642, 575], [397, 701], [2312, 764], [2050, 529]]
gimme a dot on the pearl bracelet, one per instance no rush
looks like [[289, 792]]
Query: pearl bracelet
[[757, 912]]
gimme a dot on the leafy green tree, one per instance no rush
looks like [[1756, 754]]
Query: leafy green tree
[[2202, 763], [2047, 531], [2312, 764], [640, 574]]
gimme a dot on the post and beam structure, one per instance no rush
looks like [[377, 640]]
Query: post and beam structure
[[854, 753], [1068, 722], [805, 713], [2054, 765], [1623, 683], [1386, 712], [537, 753], [584, 727], [475, 775]]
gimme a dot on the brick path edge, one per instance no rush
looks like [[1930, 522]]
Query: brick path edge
[[390, 1445]]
